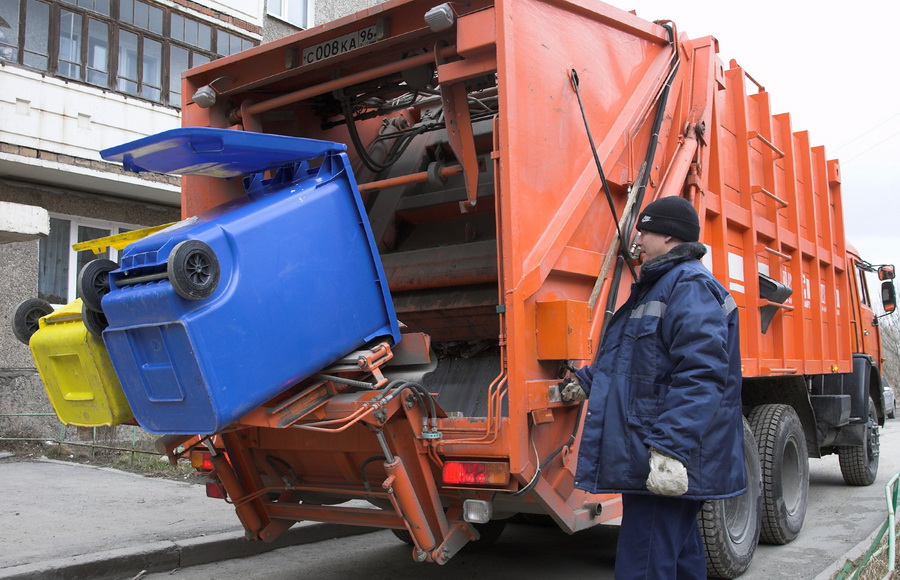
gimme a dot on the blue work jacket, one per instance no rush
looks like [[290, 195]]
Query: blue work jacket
[[667, 375]]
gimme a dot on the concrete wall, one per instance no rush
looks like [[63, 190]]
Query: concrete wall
[[21, 390], [327, 11]]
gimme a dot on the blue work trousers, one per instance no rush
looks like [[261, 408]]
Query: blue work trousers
[[659, 539]]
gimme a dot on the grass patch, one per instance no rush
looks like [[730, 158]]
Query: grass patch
[[875, 568], [148, 464]]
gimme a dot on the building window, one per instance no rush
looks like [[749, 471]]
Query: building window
[[70, 44], [192, 32], [296, 12], [98, 6], [98, 53], [229, 43], [142, 15], [36, 52], [9, 31], [130, 46], [60, 264]]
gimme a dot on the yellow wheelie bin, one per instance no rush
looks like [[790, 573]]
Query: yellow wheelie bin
[[76, 371]]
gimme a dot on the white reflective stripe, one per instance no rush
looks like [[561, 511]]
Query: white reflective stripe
[[654, 308], [729, 305], [658, 309]]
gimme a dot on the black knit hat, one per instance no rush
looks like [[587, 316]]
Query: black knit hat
[[671, 216]]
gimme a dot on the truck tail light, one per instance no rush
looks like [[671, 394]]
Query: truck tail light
[[201, 460], [216, 490], [476, 473]]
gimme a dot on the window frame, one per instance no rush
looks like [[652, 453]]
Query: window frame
[[76, 222], [115, 26], [308, 21]]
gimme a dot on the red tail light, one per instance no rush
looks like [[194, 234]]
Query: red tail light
[[476, 473], [201, 460], [216, 490]]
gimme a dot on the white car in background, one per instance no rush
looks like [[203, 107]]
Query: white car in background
[[889, 410]]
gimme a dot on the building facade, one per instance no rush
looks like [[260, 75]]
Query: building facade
[[79, 76]]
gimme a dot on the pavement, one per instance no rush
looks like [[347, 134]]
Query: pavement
[[67, 520], [63, 520]]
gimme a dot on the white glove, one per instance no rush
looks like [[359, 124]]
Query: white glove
[[573, 391], [667, 475]]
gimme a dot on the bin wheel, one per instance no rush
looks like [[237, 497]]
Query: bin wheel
[[26, 316], [93, 282], [193, 269], [94, 321]]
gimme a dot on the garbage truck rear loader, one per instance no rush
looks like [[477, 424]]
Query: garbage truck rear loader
[[503, 149]]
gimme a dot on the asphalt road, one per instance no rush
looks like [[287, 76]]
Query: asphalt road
[[838, 518]]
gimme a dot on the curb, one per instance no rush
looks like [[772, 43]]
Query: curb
[[852, 555], [165, 556]]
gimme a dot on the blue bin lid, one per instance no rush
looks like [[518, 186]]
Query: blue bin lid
[[214, 152]]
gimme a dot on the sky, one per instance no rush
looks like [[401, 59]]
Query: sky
[[836, 68]]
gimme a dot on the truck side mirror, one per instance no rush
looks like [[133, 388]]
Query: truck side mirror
[[888, 296], [886, 273]]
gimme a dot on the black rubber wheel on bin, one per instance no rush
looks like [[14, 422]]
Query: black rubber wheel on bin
[[859, 464], [193, 269], [94, 321], [93, 282], [731, 527], [26, 316]]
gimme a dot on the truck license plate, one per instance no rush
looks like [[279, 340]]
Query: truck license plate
[[340, 45]]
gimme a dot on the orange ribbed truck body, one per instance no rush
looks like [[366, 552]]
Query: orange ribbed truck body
[[481, 186]]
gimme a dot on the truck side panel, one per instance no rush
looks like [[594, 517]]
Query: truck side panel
[[779, 204]]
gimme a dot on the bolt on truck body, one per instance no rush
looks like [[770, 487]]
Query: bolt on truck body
[[502, 149]]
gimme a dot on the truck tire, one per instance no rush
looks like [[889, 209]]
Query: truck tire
[[489, 533], [731, 527], [784, 459], [859, 465]]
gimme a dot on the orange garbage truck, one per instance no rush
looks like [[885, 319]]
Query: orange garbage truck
[[502, 150]]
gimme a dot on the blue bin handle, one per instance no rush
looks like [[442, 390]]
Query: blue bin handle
[[205, 144]]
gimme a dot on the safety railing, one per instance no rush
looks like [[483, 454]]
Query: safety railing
[[882, 552]]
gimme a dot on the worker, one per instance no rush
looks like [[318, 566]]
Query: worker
[[663, 425]]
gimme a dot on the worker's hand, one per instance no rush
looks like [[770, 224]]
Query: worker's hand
[[667, 475], [572, 391]]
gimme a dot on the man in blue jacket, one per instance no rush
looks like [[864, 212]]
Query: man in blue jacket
[[664, 425]]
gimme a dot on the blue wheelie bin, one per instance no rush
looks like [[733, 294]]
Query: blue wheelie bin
[[217, 314]]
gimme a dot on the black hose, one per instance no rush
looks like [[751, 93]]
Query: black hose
[[398, 148], [550, 457], [424, 394], [639, 196], [573, 76], [342, 380], [424, 398], [362, 470]]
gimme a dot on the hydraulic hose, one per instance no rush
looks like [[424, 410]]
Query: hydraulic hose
[[625, 258], [344, 381]]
